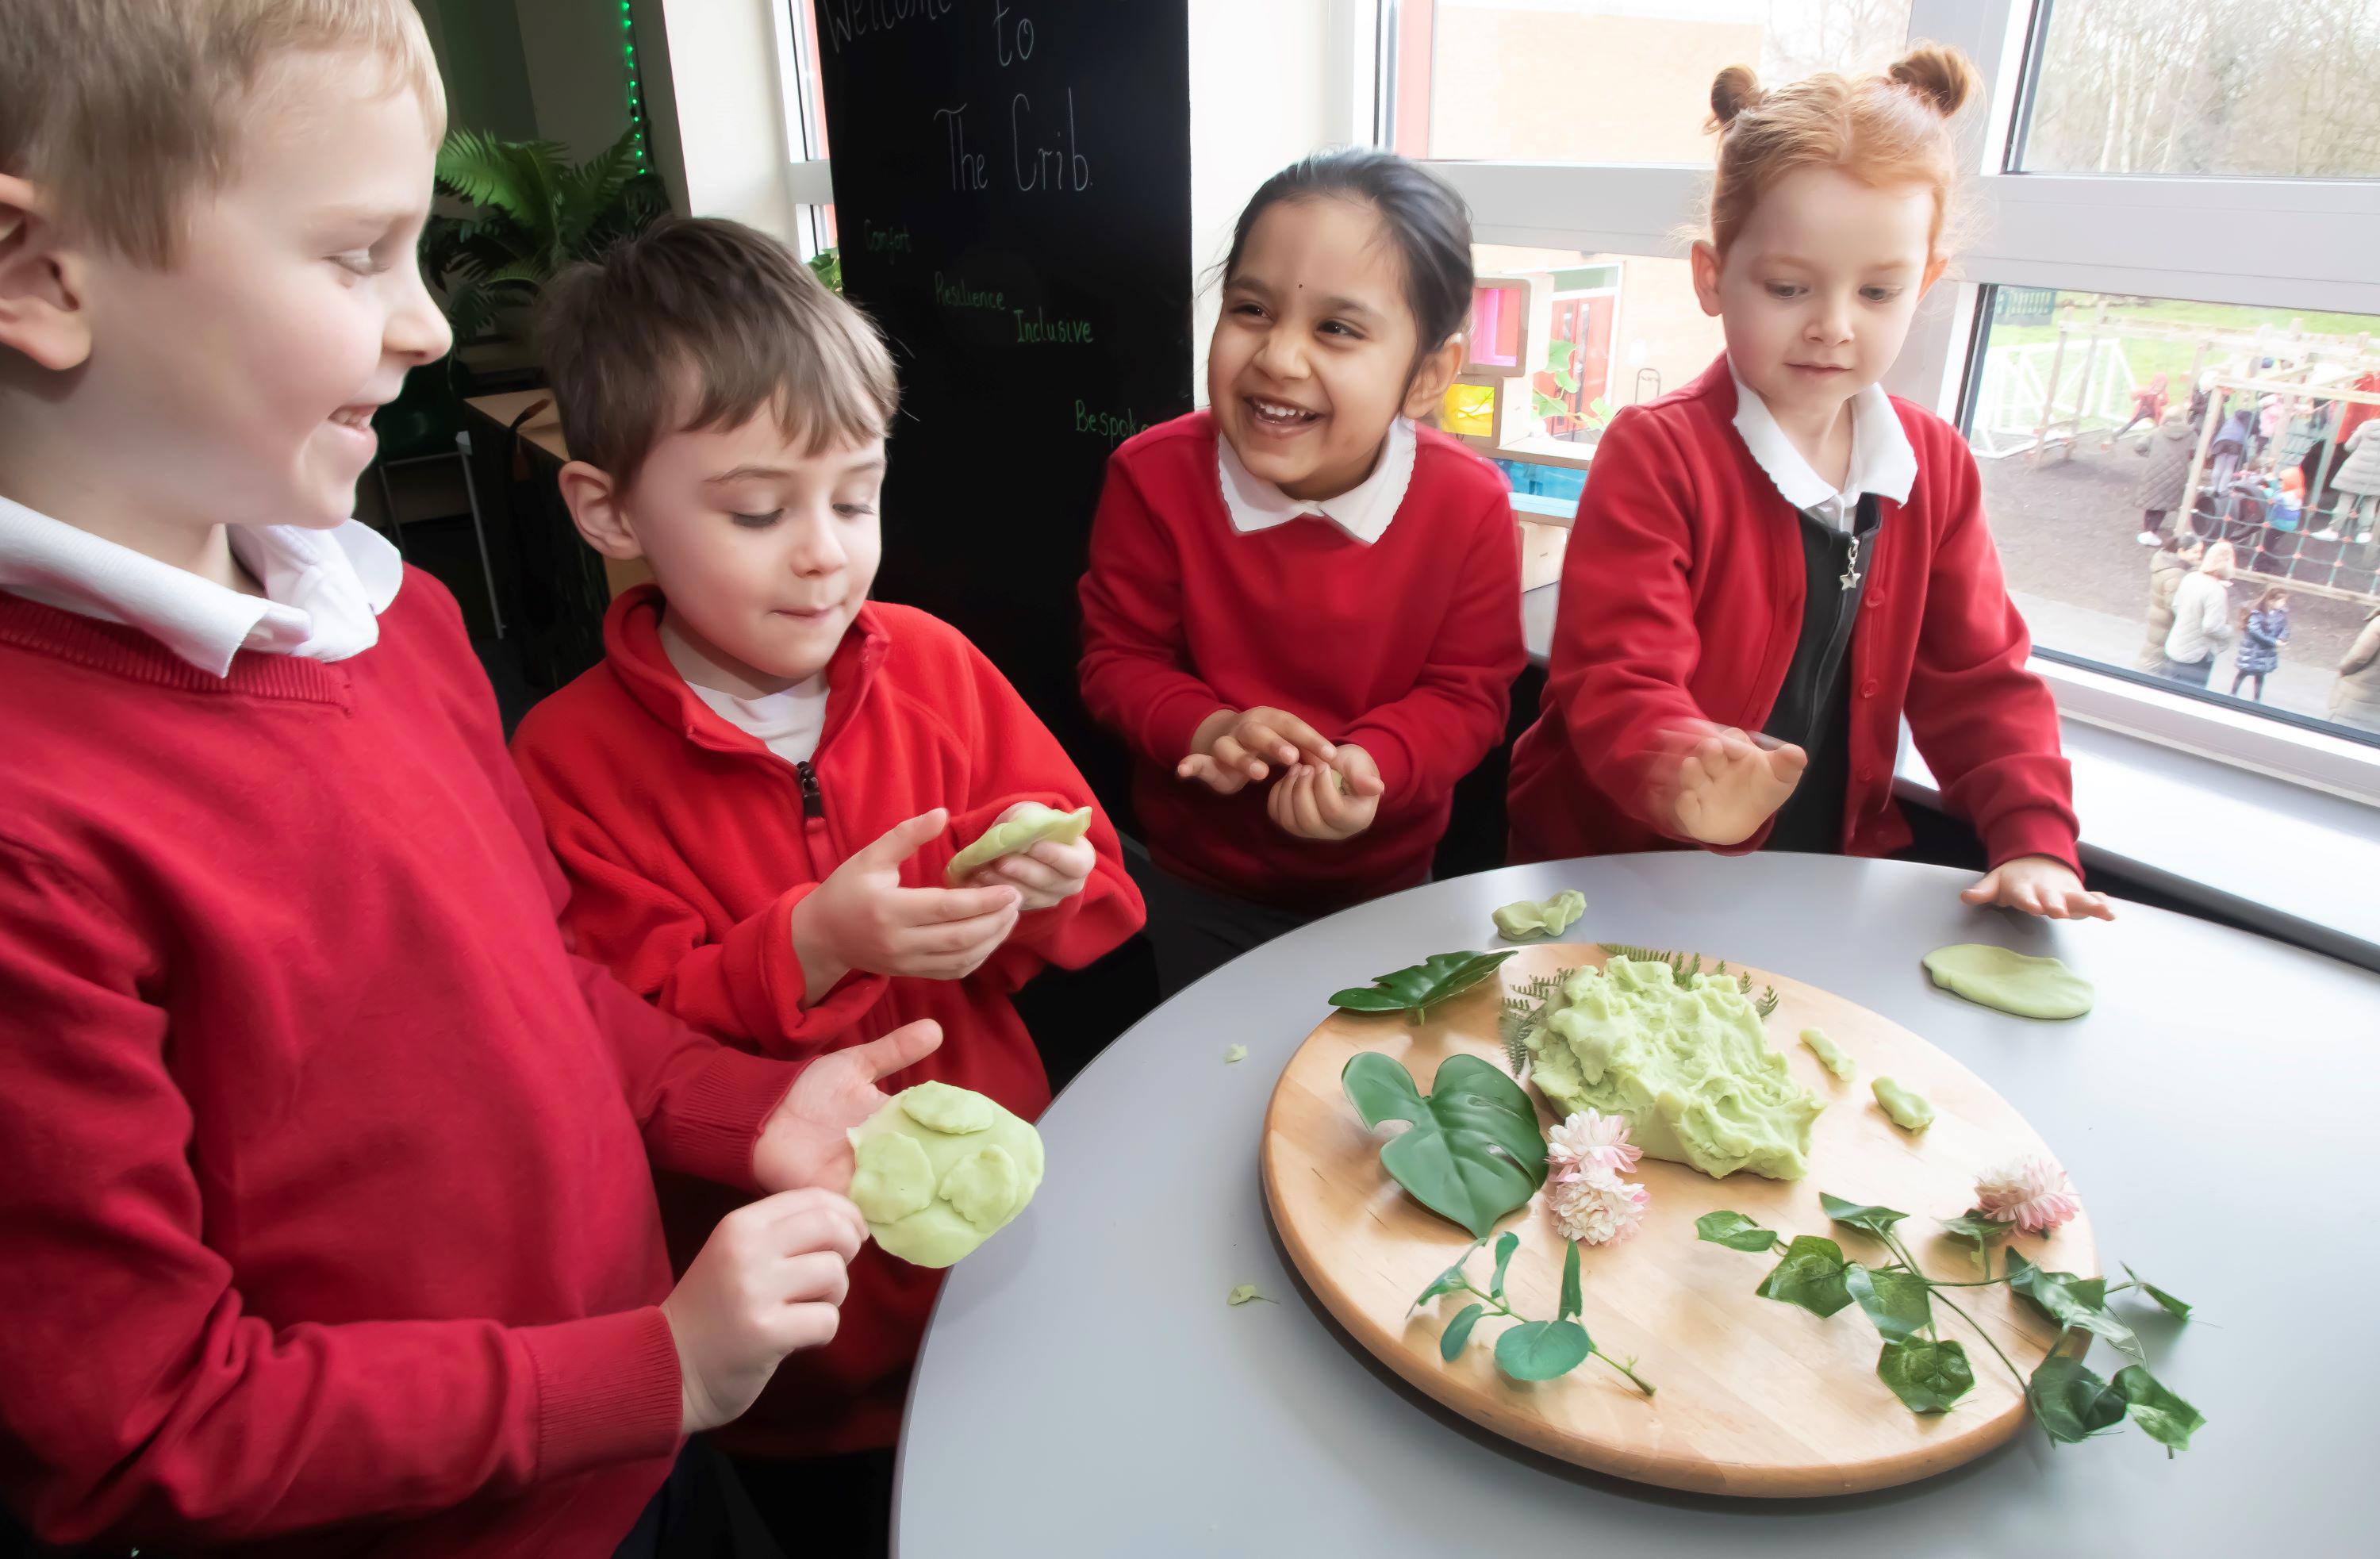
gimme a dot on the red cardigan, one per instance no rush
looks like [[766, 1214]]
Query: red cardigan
[[324, 1194], [1406, 647], [1682, 600], [687, 848]]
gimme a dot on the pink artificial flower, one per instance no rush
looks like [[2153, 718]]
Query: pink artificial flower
[[2033, 1193], [1596, 1207], [1591, 1140]]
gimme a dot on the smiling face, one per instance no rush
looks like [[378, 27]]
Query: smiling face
[[765, 550], [1817, 292], [1315, 354], [246, 374]]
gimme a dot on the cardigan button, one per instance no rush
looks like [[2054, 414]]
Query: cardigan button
[[1867, 688], [1866, 776]]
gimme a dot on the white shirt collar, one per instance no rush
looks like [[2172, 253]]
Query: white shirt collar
[[323, 590], [1363, 511], [1882, 460]]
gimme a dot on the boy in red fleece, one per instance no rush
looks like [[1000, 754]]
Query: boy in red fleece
[[758, 793], [324, 1189]]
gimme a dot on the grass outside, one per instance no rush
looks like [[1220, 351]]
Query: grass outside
[[2173, 358]]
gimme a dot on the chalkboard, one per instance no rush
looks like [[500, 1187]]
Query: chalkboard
[[1012, 189]]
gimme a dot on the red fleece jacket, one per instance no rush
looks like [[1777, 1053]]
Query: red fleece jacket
[[324, 1195], [1682, 600], [1406, 647], [689, 843]]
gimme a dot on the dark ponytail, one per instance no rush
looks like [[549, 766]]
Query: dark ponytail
[[1426, 221]]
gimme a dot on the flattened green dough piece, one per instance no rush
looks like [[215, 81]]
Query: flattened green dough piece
[[894, 1178], [2014, 982], [1033, 823], [975, 1180], [1526, 918], [951, 1111], [1830, 1055], [1688, 1064], [1909, 1111]]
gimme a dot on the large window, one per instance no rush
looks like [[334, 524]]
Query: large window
[[2175, 211]]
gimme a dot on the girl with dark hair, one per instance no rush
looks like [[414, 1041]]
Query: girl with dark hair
[[1302, 612]]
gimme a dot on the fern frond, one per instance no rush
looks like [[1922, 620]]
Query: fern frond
[[1512, 1027]]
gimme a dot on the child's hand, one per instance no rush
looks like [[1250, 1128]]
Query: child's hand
[[861, 917], [1727, 783], [766, 1284], [1045, 876], [1333, 802], [1233, 748], [2039, 886], [803, 1142]]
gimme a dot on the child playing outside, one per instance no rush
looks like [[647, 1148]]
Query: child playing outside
[[756, 793], [324, 1165], [1302, 612], [2263, 632], [1773, 564]]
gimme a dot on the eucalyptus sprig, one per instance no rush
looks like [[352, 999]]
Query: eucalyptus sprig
[[1930, 1372], [1530, 1350]]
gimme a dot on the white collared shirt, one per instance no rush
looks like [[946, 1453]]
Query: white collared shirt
[[1882, 459], [1363, 511], [788, 723], [323, 590]]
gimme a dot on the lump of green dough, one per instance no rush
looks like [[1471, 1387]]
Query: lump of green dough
[[1528, 918], [983, 1187], [1909, 1111], [2014, 983], [951, 1111], [932, 1195], [894, 1178], [1688, 1063], [1830, 1055], [1032, 823]]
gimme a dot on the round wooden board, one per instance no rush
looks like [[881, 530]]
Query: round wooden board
[[1754, 1397]]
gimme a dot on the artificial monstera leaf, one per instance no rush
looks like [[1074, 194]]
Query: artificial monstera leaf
[[1419, 987], [1474, 1152]]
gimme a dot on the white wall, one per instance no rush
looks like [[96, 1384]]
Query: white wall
[[578, 75]]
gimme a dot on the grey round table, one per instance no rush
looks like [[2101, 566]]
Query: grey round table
[[1085, 1390]]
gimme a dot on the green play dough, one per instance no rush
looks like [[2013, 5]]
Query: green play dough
[[1527, 918], [2016, 982], [1909, 1111], [1032, 823], [1689, 1064], [1830, 1055], [931, 1196]]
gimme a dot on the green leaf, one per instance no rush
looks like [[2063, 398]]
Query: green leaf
[[1539, 1350], [1975, 1228], [1419, 987], [1458, 1331], [1451, 1281], [1899, 1301], [1811, 1275], [2071, 1402], [2163, 1417], [1735, 1231], [2072, 1302], [1245, 1293], [1572, 1301], [1877, 1221], [1927, 1376], [1474, 1151], [1506, 1243], [1563, 377], [2174, 1306]]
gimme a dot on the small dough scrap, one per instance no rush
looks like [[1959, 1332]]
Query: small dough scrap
[[1233, 1053], [2008, 982], [951, 1111], [1830, 1055], [1909, 1111], [1031, 824], [1525, 917], [931, 1195], [983, 1187], [895, 1179]]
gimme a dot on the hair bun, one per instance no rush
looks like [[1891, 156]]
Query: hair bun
[[1732, 90], [1942, 76]]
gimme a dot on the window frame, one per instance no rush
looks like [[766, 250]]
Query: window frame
[[809, 174], [2196, 238]]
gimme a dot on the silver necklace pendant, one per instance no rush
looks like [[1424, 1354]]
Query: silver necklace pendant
[[1850, 575]]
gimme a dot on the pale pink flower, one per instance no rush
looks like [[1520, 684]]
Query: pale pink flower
[[1596, 1207], [1591, 1140], [2033, 1193]]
